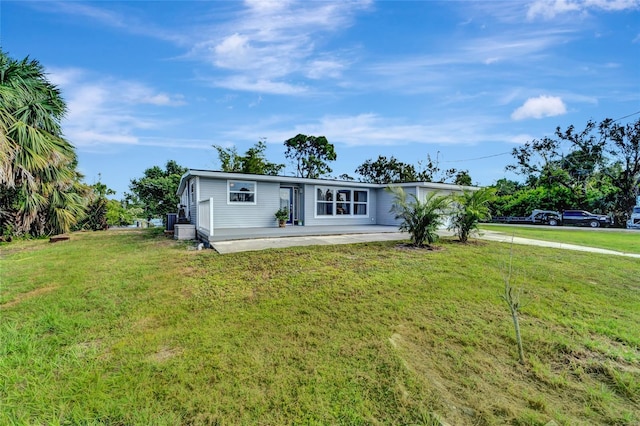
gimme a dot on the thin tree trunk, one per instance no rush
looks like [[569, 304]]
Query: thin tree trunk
[[516, 325]]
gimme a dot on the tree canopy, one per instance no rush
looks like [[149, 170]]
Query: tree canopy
[[597, 169], [253, 161], [387, 170], [391, 170], [156, 190], [311, 155]]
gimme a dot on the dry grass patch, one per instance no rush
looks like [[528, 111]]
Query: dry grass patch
[[27, 295]]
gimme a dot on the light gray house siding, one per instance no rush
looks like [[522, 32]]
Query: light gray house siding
[[385, 202], [237, 215]]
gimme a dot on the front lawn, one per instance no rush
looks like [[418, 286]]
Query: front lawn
[[133, 328]]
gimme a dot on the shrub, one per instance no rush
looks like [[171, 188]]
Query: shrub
[[471, 207], [421, 219]]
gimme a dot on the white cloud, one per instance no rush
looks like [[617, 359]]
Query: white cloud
[[105, 111], [232, 51], [370, 130], [542, 106], [259, 85], [123, 20], [549, 9], [319, 69], [271, 42]]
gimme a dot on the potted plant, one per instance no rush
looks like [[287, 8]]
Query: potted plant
[[282, 216]]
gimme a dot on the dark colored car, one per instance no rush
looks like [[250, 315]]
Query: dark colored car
[[546, 217], [584, 218]]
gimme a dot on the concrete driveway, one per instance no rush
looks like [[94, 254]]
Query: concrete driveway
[[504, 238], [235, 246]]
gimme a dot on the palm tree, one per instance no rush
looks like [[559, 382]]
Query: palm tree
[[39, 185], [471, 207], [421, 219]]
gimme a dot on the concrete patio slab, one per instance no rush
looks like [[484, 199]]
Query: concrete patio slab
[[235, 246]]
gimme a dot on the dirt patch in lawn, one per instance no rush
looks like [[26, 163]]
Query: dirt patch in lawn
[[25, 296]]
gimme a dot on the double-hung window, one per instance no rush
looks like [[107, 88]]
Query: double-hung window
[[241, 192], [341, 201]]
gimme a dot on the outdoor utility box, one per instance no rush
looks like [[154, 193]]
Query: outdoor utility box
[[172, 218], [184, 232]]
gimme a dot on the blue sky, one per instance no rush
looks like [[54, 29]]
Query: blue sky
[[462, 81]]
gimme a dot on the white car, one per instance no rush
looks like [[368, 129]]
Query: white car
[[634, 220]]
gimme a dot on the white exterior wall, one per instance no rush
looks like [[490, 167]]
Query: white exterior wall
[[312, 219]]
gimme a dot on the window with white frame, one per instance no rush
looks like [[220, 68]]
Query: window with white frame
[[241, 192], [341, 201], [360, 201], [324, 201]]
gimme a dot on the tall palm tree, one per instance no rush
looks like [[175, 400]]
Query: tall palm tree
[[38, 181]]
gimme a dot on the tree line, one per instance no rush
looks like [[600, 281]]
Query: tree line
[[596, 168]]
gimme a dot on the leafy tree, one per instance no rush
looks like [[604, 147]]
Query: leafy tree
[[156, 191], [391, 170], [600, 170], [507, 187], [253, 161], [430, 171], [40, 189], [623, 144], [345, 176], [544, 163], [124, 212], [117, 215], [387, 170], [230, 160], [463, 178], [470, 208], [96, 217], [421, 219], [311, 154]]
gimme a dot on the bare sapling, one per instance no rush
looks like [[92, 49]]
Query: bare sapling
[[512, 297]]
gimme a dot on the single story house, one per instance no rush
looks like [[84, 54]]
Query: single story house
[[214, 200]]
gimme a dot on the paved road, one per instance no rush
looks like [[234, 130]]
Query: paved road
[[566, 228]]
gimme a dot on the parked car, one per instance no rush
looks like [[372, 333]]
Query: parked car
[[634, 220], [540, 217], [585, 218]]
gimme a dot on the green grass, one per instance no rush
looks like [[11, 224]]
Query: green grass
[[132, 328], [618, 240]]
